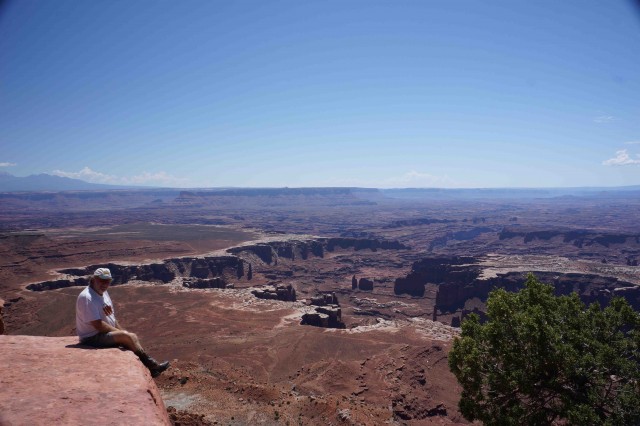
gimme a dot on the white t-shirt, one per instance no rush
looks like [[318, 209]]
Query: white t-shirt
[[90, 306]]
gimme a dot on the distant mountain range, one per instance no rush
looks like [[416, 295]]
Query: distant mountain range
[[48, 183], [509, 193], [45, 182]]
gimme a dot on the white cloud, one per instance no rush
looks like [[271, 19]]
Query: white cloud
[[622, 158], [146, 178], [632, 143], [88, 175], [6, 164], [604, 119]]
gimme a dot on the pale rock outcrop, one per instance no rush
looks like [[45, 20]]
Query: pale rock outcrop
[[285, 293], [324, 299], [52, 380], [264, 251], [217, 282]]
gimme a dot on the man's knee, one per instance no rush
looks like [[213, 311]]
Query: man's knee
[[124, 336]]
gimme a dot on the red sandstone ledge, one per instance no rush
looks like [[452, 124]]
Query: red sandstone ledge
[[49, 380]]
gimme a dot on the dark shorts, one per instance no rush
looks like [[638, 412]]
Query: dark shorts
[[100, 340]]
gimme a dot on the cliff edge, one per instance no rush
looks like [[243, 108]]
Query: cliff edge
[[53, 380]]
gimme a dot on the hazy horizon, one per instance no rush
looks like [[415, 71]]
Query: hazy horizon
[[323, 94], [509, 188]]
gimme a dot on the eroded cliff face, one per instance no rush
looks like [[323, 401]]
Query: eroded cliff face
[[216, 271], [577, 237], [302, 249], [460, 281], [589, 243], [222, 267], [437, 270], [452, 295]]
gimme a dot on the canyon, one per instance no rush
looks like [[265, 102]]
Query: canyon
[[307, 306]]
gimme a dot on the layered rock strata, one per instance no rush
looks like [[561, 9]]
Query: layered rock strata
[[452, 295], [221, 268], [459, 279], [577, 237], [301, 249]]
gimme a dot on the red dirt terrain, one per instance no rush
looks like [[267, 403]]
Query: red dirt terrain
[[188, 269]]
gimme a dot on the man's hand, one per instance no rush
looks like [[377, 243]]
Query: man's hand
[[108, 310]]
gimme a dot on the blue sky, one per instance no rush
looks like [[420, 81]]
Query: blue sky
[[322, 93]]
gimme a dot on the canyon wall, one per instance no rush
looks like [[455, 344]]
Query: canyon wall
[[459, 280], [302, 249], [223, 267], [216, 271]]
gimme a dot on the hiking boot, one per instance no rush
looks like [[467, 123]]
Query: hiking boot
[[159, 368], [154, 366]]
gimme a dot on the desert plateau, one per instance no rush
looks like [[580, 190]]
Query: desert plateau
[[307, 306]]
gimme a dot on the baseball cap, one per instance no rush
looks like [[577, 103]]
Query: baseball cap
[[103, 273]]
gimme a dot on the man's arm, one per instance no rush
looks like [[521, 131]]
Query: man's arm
[[102, 326]]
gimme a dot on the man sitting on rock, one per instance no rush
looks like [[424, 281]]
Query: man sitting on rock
[[97, 326]]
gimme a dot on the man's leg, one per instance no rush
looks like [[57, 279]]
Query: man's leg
[[127, 339], [130, 341]]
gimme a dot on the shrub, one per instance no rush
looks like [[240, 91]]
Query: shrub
[[541, 359]]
